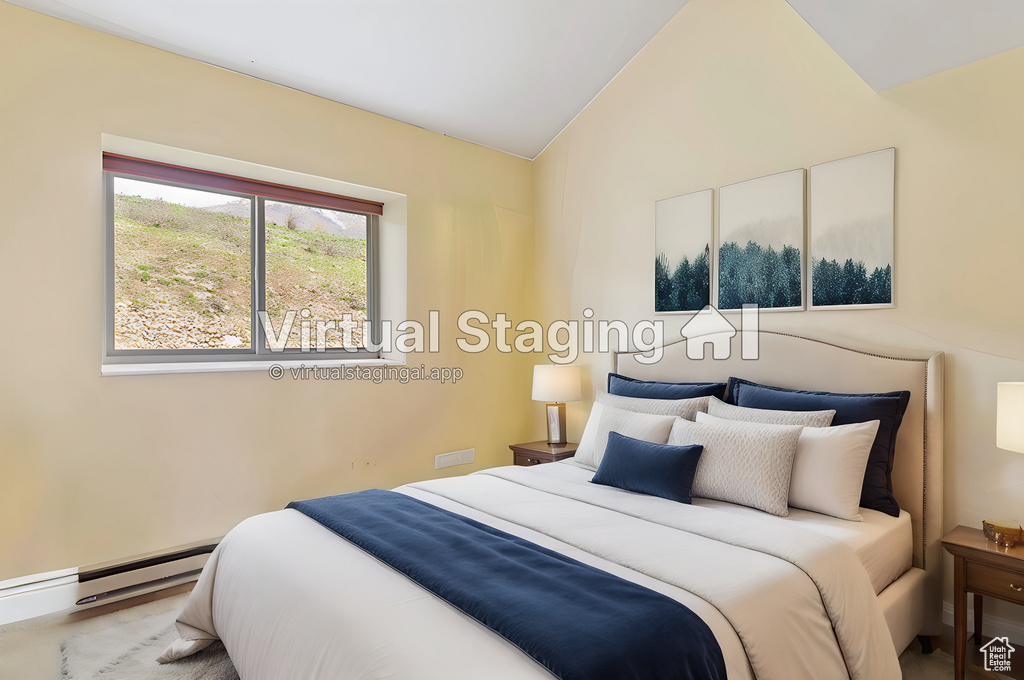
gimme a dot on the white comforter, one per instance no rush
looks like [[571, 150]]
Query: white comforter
[[291, 600]]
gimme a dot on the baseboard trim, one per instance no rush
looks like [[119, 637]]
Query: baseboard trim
[[10, 586], [32, 596], [992, 626]]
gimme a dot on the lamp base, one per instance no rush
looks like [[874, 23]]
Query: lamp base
[[556, 423]]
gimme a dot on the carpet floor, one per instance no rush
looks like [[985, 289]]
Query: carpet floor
[[125, 644]]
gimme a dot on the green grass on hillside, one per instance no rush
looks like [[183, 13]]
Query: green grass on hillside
[[182, 276]]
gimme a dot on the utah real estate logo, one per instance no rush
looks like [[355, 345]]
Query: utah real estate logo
[[997, 653]]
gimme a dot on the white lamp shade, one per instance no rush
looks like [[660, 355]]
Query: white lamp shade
[[556, 384], [1010, 416]]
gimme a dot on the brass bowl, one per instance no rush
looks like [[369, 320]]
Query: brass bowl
[[1003, 532]]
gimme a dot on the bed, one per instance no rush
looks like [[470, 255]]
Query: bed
[[800, 596]]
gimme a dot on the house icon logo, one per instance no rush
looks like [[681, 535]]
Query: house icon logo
[[710, 327], [997, 653]]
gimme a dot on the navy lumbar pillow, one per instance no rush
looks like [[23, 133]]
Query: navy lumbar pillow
[[648, 468], [886, 407], [647, 389]]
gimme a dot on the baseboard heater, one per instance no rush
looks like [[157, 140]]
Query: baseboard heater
[[108, 582]]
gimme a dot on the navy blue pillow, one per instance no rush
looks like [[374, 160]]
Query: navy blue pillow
[[887, 407], [646, 389], [653, 469]]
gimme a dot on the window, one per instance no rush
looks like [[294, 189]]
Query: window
[[207, 267]]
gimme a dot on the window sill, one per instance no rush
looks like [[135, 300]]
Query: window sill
[[225, 366]]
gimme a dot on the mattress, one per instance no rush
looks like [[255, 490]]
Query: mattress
[[291, 599], [884, 544]]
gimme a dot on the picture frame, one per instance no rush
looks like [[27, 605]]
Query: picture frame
[[851, 232], [760, 243], [683, 232]]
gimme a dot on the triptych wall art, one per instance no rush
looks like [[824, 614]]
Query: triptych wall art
[[765, 249]]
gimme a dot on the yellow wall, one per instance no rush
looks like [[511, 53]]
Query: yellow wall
[[736, 89], [93, 468]]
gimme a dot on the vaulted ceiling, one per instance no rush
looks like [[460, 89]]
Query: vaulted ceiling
[[511, 74]]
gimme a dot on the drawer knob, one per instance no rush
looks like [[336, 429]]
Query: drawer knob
[[1017, 588]]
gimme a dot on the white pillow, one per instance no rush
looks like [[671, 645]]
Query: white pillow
[[745, 463], [604, 419], [719, 409], [681, 408], [828, 470]]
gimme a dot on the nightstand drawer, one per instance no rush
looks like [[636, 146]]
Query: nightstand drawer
[[528, 459], [535, 453], [995, 581]]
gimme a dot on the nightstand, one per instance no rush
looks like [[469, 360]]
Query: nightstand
[[986, 569], [534, 453]]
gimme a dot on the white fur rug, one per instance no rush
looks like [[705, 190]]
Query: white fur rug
[[127, 650]]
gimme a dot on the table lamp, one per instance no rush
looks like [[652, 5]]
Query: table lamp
[[1010, 416], [1009, 436], [556, 385]]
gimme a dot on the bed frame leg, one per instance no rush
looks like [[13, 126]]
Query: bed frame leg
[[926, 644]]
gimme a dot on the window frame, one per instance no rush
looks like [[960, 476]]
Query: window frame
[[194, 359]]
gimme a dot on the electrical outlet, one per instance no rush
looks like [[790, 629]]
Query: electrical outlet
[[443, 460]]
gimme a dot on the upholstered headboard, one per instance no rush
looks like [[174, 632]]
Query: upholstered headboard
[[804, 363]]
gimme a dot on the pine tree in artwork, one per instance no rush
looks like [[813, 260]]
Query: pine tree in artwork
[[825, 284], [794, 282], [681, 282], [728, 276], [853, 282], [699, 295], [880, 286], [662, 284]]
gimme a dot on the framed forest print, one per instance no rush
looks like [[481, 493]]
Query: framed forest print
[[851, 227], [682, 259], [761, 242]]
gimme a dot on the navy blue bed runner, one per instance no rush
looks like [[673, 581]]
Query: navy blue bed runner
[[577, 621]]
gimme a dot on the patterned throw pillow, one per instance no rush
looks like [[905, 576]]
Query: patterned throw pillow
[[681, 408], [747, 464]]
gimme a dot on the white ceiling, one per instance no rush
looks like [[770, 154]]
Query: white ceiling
[[508, 74], [892, 42], [511, 74]]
